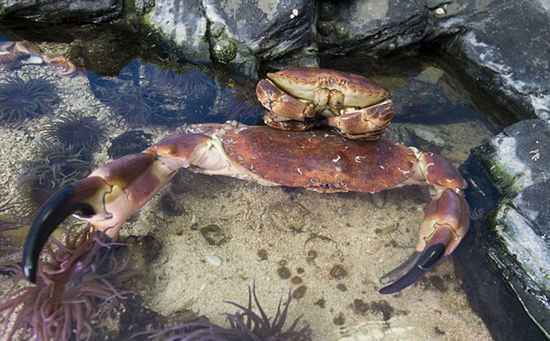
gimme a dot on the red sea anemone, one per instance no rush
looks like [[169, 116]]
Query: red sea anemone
[[74, 287]]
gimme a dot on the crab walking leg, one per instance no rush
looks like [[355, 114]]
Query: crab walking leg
[[316, 161]]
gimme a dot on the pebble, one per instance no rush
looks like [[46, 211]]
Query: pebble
[[214, 260]]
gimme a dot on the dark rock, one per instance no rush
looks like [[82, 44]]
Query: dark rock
[[370, 27], [238, 33], [512, 234], [81, 11], [506, 54]]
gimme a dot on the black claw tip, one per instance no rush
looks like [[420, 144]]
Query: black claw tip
[[413, 271], [58, 207]]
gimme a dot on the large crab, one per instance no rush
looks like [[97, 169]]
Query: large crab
[[316, 160]]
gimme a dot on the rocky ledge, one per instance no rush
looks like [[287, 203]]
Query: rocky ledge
[[513, 232]]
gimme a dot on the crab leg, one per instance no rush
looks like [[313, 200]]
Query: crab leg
[[316, 161]]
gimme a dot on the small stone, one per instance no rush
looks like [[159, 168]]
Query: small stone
[[296, 280], [338, 272], [284, 272], [214, 260], [339, 319], [341, 287], [262, 254], [311, 255], [320, 303], [214, 235], [300, 270], [299, 292]]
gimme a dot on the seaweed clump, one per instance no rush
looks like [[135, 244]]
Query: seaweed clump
[[76, 131], [74, 287], [22, 100], [244, 325]]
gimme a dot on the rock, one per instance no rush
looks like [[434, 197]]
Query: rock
[[513, 231], [504, 53], [370, 27], [239, 34], [82, 11]]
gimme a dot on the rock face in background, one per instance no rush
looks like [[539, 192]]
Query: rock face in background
[[238, 33], [503, 46], [516, 236], [370, 27], [84, 11], [489, 41]]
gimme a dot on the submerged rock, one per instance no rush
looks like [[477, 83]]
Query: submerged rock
[[83, 11], [515, 239]]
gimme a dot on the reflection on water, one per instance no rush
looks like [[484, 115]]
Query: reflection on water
[[329, 249]]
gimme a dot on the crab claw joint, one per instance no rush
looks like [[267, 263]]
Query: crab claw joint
[[74, 198], [445, 224]]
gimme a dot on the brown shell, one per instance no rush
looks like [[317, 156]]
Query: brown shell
[[358, 90], [319, 160]]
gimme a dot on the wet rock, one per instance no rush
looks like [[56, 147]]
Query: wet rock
[[504, 53], [237, 33], [513, 232], [370, 27], [82, 11]]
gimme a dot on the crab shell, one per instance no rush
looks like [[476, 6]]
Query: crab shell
[[355, 106], [319, 161]]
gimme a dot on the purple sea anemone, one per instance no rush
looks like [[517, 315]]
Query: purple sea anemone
[[21, 100], [244, 325], [74, 287]]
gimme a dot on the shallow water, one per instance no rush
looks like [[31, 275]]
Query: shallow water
[[203, 240]]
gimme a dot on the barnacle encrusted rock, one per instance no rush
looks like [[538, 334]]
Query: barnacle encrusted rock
[[236, 33], [516, 236]]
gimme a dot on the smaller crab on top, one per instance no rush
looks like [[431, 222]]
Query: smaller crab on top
[[300, 99]]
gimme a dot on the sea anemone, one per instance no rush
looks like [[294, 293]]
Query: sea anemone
[[74, 287], [55, 166], [145, 94], [130, 142], [244, 325], [75, 131], [21, 100]]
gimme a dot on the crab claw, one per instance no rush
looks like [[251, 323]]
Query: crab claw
[[445, 224], [79, 197], [367, 123], [106, 199]]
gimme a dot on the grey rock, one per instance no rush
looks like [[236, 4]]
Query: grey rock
[[516, 236], [370, 27], [503, 46], [238, 33], [83, 11]]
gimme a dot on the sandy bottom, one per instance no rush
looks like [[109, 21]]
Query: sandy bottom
[[216, 236]]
